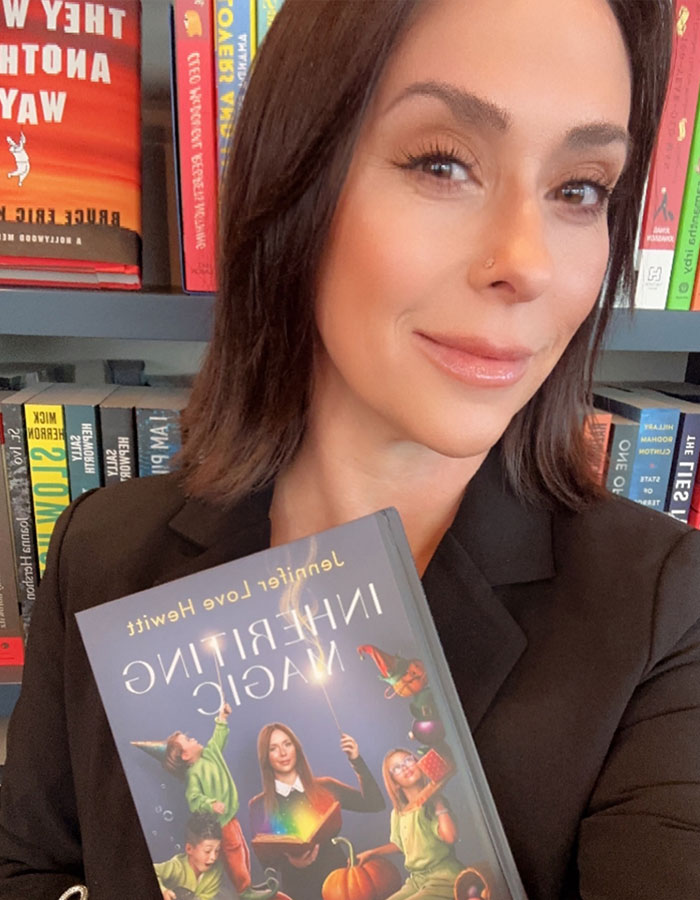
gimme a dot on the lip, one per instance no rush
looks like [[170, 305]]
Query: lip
[[475, 361]]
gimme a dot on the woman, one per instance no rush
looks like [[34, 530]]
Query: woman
[[424, 832], [290, 790], [422, 203]]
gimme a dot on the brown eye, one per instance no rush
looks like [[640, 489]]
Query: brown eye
[[444, 168], [584, 193]]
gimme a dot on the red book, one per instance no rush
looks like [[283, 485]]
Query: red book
[[70, 160], [596, 428], [196, 141], [664, 196]]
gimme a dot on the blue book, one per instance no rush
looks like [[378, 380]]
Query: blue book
[[266, 12], [158, 432], [235, 42], [656, 443], [325, 637]]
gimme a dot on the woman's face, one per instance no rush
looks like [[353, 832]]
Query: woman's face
[[470, 240], [282, 753]]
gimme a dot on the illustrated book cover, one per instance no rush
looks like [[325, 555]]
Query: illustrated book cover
[[300, 692], [70, 160]]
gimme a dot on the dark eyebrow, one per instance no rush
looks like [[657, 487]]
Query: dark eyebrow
[[471, 109]]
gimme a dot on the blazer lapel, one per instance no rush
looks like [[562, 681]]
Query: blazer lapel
[[495, 540], [213, 535]]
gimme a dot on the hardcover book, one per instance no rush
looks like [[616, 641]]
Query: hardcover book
[[158, 432], [262, 691], [11, 631], [670, 161], [195, 129], [624, 434], [70, 211], [266, 11]]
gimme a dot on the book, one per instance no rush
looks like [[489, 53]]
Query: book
[[265, 13], [267, 847], [20, 495], [658, 430], [235, 43], [685, 258], [82, 432], [70, 212], [670, 161], [118, 428], [624, 434], [158, 433], [48, 468], [326, 636], [596, 428], [195, 131], [11, 630]]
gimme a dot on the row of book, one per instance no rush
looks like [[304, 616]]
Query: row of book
[[645, 442], [214, 43], [59, 441]]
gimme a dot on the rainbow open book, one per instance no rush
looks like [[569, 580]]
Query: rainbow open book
[[326, 636]]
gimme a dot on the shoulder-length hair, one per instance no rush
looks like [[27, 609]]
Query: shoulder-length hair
[[294, 137], [267, 773]]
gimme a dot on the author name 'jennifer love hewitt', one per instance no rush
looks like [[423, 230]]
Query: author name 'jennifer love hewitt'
[[284, 575]]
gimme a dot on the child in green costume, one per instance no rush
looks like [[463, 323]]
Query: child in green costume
[[425, 834], [198, 869], [209, 787]]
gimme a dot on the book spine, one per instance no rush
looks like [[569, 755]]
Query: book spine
[[158, 438], [48, 465], [651, 471], [670, 161], [82, 441], [265, 13], [118, 444], [196, 141], [20, 491], [234, 48], [623, 446], [685, 468], [685, 259], [596, 428], [11, 632]]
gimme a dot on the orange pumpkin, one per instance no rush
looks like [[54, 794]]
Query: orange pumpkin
[[375, 879]]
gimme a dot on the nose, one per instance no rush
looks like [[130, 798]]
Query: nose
[[513, 259]]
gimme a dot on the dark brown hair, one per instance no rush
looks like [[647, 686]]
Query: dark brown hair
[[309, 89], [316, 794]]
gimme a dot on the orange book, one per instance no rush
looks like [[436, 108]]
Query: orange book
[[268, 847], [70, 206]]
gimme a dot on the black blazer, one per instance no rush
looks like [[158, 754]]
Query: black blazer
[[573, 639]]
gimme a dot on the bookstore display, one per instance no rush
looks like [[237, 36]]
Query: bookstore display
[[330, 639]]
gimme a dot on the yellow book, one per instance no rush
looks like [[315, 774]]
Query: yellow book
[[48, 467]]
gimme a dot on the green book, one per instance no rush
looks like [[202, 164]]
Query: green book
[[685, 259]]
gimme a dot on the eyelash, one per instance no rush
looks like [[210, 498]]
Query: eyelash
[[436, 154]]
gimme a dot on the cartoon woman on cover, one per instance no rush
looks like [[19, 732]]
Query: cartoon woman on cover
[[291, 791], [424, 832]]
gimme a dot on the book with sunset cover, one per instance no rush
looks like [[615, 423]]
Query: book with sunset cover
[[70, 158], [293, 697]]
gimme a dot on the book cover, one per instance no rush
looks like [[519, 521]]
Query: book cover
[[20, 494], [266, 10], [685, 258], [11, 631], [328, 639], [118, 432], [624, 434], [48, 468], [158, 434], [658, 430], [596, 428], [195, 130], [670, 161], [235, 44], [70, 211]]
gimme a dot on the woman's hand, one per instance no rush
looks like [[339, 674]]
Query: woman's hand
[[218, 807], [303, 860], [364, 856], [349, 746], [168, 894]]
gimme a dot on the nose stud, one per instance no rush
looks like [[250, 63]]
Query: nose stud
[[490, 263]]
